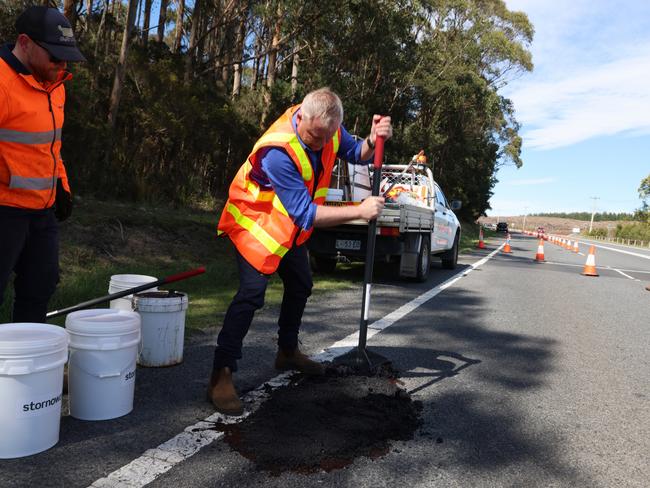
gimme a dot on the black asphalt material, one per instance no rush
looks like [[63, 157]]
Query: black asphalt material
[[325, 423]]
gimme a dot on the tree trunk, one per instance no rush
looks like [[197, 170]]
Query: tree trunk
[[194, 34], [237, 68], [179, 26], [162, 20], [100, 30], [147, 21], [89, 8], [256, 64], [121, 64], [294, 76], [70, 11], [270, 70]]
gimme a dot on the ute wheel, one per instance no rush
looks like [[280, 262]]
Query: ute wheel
[[450, 258], [424, 259], [321, 264]]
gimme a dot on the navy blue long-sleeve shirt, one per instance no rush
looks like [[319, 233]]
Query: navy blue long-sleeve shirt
[[278, 171]]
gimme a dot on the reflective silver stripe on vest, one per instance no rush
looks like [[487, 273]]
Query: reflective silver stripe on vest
[[8, 135], [23, 183]]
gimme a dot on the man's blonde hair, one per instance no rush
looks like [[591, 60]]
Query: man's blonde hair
[[323, 104]]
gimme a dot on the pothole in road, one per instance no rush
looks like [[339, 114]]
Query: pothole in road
[[326, 423]]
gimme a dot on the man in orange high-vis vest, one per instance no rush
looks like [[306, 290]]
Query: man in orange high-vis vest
[[274, 202], [34, 190]]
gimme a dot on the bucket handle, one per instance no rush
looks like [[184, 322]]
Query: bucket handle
[[101, 376]]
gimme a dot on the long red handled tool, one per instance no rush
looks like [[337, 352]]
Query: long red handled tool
[[113, 296], [361, 358]]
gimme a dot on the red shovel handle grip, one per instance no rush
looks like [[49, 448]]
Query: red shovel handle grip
[[184, 275], [379, 152]]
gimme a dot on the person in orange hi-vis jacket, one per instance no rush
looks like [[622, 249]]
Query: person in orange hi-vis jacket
[[274, 202], [34, 190]]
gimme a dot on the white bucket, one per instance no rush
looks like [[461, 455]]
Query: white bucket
[[101, 372], [123, 282], [31, 387], [163, 327]]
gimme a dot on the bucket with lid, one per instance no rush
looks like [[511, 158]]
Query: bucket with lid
[[31, 386], [163, 326], [101, 371], [123, 282]]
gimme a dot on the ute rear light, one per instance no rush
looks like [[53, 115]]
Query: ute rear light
[[388, 231]]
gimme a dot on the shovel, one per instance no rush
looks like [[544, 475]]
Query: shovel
[[113, 296], [361, 358]]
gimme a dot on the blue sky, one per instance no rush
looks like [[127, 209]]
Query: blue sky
[[584, 110]]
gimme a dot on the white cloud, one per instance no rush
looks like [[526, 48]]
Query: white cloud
[[532, 181], [592, 63], [602, 101]]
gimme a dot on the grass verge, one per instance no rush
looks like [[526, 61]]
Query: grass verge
[[106, 238]]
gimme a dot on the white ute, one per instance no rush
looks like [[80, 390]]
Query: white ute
[[416, 223]]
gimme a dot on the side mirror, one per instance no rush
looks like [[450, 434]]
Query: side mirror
[[456, 204]]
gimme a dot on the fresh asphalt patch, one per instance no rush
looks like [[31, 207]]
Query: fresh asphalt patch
[[324, 423]]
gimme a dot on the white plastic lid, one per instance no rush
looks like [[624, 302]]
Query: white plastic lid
[[27, 339], [102, 321], [132, 278]]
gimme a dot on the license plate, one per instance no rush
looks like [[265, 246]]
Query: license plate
[[349, 244]]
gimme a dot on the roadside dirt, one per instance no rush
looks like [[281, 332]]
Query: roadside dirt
[[326, 423]]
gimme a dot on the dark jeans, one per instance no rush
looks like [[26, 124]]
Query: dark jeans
[[29, 246], [296, 277]]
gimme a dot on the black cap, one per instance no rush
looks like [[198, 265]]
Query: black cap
[[51, 30]]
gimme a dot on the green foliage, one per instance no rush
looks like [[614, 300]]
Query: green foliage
[[436, 66], [643, 213], [644, 188], [638, 231], [599, 232]]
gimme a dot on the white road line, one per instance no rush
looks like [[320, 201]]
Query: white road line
[[626, 275], [157, 461], [644, 256], [555, 263]]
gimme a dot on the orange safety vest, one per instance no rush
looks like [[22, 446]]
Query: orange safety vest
[[254, 218], [30, 139]]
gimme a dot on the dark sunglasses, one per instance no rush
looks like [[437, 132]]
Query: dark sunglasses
[[53, 59]]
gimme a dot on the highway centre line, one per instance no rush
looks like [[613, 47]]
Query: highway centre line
[[626, 275], [555, 263], [157, 461], [644, 256]]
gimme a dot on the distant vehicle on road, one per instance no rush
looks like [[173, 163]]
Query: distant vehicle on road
[[502, 227]]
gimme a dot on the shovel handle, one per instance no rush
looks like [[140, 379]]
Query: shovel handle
[[130, 291]]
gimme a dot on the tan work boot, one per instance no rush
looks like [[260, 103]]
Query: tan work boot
[[296, 360], [222, 394]]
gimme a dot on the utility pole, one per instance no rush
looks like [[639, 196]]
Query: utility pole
[[593, 212], [525, 215]]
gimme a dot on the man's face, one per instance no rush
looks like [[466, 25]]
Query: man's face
[[314, 132], [43, 66]]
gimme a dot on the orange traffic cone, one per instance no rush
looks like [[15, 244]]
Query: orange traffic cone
[[590, 265], [539, 257], [569, 245], [481, 244], [576, 248], [507, 248]]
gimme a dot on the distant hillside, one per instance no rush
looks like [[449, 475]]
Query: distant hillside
[[586, 216], [555, 225]]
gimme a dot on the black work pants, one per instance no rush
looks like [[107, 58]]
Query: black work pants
[[29, 247], [296, 277]]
